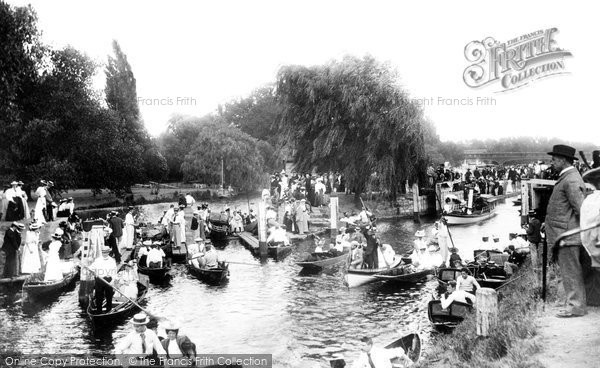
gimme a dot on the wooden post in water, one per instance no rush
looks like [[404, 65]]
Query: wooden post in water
[[487, 311], [333, 205], [262, 228], [415, 190]]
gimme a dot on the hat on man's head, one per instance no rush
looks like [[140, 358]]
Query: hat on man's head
[[114, 213], [198, 240], [563, 151], [106, 250], [14, 182], [147, 243], [34, 225], [420, 233], [21, 183], [44, 182], [140, 319]]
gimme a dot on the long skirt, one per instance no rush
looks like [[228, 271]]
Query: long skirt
[[53, 269], [128, 237], [15, 210], [176, 235], [30, 260]]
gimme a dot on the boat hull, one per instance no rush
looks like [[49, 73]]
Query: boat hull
[[396, 276], [117, 313], [279, 253], [457, 219], [323, 263], [411, 344], [358, 277], [446, 320], [38, 290], [213, 276]]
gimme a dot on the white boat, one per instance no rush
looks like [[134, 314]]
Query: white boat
[[465, 219], [357, 277]]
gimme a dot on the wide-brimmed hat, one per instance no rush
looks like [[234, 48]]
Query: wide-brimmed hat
[[564, 151], [147, 243], [58, 233], [420, 233], [21, 183], [114, 213], [172, 326], [140, 319], [34, 226], [199, 239], [18, 225], [14, 182], [44, 182], [157, 243], [106, 250]]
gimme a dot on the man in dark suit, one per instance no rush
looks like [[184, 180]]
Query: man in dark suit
[[114, 240], [10, 250], [563, 215]]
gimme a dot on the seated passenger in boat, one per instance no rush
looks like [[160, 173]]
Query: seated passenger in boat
[[211, 257], [455, 260], [420, 240], [278, 236], [373, 356], [142, 254], [515, 259], [196, 247], [127, 282], [155, 257], [466, 282], [177, 345], [433, 259], [521, 245], [455, 295], [357, 255], [418, 256], [386, 259]]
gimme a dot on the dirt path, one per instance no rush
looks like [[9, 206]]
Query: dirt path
[[570, 342]]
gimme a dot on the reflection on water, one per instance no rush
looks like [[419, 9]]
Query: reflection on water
[[267, 308]]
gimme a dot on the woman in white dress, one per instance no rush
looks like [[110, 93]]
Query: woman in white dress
[[40, 205], [53, 266], [129, 232], [30, 259]]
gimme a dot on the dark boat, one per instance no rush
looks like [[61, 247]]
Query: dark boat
[[119, 310], [213, 276], [12, 283], [278, 253], [314, 263], [156, 275], [446, 320], [490, 277], [402, 275], [411, 344], [36, 289], [219, 225]]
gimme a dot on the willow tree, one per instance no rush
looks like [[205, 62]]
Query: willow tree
[[218, 142], [352, 116]]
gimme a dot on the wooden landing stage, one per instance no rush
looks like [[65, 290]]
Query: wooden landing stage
[[249, 241]]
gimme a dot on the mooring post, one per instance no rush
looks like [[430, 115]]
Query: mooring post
[[487, 310], [333, 205], [415, 190], [262, 228]]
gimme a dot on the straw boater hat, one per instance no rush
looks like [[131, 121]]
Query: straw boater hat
[[19, 226], [140, 319], [420, 233], [147, 243], [106, 250], [14, 183]]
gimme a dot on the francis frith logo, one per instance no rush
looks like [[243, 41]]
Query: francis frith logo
[[514, 63]]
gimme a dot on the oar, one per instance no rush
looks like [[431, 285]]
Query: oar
[[122, 294], [243, 263]]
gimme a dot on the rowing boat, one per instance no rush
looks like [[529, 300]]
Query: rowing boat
[[319, 264], [491, 279], [402, 275], [40, 289], [278, 253], [156, 275], [213, 276], [446, 320], [12, 283], [120, 309], [411, 344], [357, 277]]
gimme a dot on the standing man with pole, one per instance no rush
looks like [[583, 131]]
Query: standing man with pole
[[563, 215]]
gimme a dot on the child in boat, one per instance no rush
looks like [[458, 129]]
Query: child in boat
[[455, 260]]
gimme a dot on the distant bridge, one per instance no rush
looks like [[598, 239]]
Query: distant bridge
[[504, 158]]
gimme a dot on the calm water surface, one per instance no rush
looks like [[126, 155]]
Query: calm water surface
[[268, 308]]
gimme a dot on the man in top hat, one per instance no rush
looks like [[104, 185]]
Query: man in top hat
[[105, 270], [9, 260], [141, 342], [177, 345], [563, 215]]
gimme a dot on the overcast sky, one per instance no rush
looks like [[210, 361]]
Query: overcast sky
[[208, 52]]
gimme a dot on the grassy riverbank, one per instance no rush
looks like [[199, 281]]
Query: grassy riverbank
[[513, 343]]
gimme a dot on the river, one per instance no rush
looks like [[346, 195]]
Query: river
[[268, 308]]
